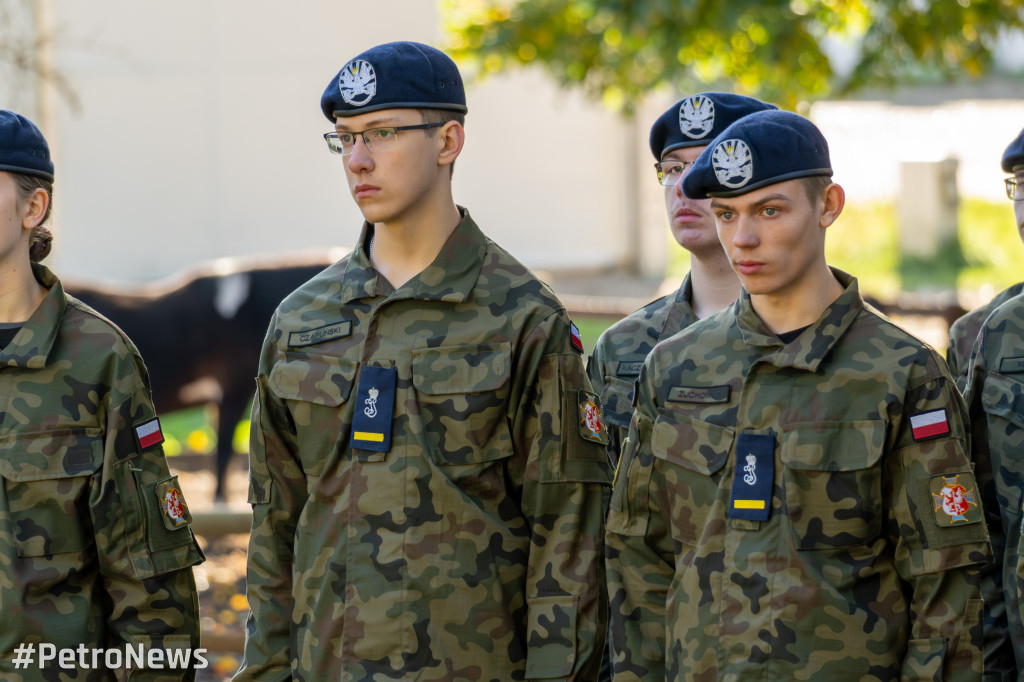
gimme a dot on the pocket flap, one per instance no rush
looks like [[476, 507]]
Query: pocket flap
[[691, 443], [1004, 397], [44, 455], [320, 379], [833, 446], [452, 370], [551, 637]]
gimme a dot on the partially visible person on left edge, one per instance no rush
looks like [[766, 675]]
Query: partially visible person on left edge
[[964, 332], [96, 547], [995, 399]]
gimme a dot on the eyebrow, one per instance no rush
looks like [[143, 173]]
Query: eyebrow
[[771, 198], [372, 123]]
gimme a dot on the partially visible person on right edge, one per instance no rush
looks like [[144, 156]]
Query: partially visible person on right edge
[[995, 399], [965, 330]]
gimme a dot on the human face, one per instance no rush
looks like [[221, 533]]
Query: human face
[[390, 186], [13, 212], [691, 222], [1018, 206], [775, 236]]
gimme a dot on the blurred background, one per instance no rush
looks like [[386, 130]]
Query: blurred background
[[187, 137]]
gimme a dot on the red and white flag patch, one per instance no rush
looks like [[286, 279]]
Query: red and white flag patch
[[149, 434], [577, 340], [929, 424]]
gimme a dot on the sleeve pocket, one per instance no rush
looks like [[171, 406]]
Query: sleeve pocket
[[551, 637]]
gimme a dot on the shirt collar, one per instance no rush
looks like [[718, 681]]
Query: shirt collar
[[450, 277], [813, 345], [31, 346]]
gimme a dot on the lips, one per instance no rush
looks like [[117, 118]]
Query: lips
[[748, 267], [363, 190]]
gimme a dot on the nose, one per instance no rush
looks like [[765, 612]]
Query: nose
[[744, 235], [360, 159]]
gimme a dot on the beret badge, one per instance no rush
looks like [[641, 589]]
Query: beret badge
[[696, 116], [732, 163], [357, 82]]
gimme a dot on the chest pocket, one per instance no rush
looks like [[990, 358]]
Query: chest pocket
[[1003, 397], [833, 482], [617, 400], [695, 453], [46, 479], [315, 388], [462, 395]]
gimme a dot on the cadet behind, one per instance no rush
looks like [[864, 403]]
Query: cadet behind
[[677, 139], [428, 475], [995, 397], [95, 543], [964, 332], [794, 485]]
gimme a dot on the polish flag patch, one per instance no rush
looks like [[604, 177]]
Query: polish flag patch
[[929, 424], [577, 340], [149, 434]]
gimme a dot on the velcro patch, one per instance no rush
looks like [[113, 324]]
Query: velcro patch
[[956, 500], [1011, 365], [172, 504], [929, 425], [754, 477], [148, 434], [629, 369], [577, 340], [698, 394], [591, 418], [309, 337]]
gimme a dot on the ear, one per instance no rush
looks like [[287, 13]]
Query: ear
[[35, 208], [834, 199], [453, 136]]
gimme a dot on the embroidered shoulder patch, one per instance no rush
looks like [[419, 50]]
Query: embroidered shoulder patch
[[309, 337], [591, 418], [148, 434], [172, 504], [577, 340], [929, 424], [956, 500]]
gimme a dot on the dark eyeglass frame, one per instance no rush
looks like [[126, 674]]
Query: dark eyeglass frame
[[1014, 190], [662, 175], [363, 133]]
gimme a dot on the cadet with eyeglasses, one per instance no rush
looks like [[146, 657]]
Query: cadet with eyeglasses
[[794, 491], [677, 139], [995, 397], [964, 332], [427, 468]]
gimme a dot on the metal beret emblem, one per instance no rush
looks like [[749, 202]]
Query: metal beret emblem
[[357, 82], [696, 116], [732, 163]]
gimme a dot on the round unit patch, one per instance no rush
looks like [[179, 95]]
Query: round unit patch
[[357, 82], [732, 163], [696, 116]]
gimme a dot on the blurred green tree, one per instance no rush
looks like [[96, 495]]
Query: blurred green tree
[[785, 51]]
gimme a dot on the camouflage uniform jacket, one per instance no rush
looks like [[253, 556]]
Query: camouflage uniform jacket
[[619, 354], [857, 573], [470, 550], [995, 397], [964, 332], [88, 553]]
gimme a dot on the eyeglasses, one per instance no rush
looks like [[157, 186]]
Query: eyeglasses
[[669, 172], [1014, 189], [375, 139]]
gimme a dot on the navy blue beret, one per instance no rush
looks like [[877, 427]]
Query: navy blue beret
[[402, 75], [696, 120], [764, 148], [1013, 157], [23, 148]]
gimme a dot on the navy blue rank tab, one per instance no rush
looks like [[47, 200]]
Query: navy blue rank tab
[[375, 405], [754, 477]]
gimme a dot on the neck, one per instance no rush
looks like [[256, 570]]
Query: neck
[[713, 283], [20, 293], [404, 248], [801, 305]]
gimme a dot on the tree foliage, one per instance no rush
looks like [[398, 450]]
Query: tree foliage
[[785, 51]]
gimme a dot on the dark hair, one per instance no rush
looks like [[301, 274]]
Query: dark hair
[[815, 186], [42, 238], [443, 116]]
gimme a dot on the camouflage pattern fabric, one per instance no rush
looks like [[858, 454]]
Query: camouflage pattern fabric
[[472, 549], [620, 352], [995, 398], [964, 332], [858, 572], [87, 555]]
